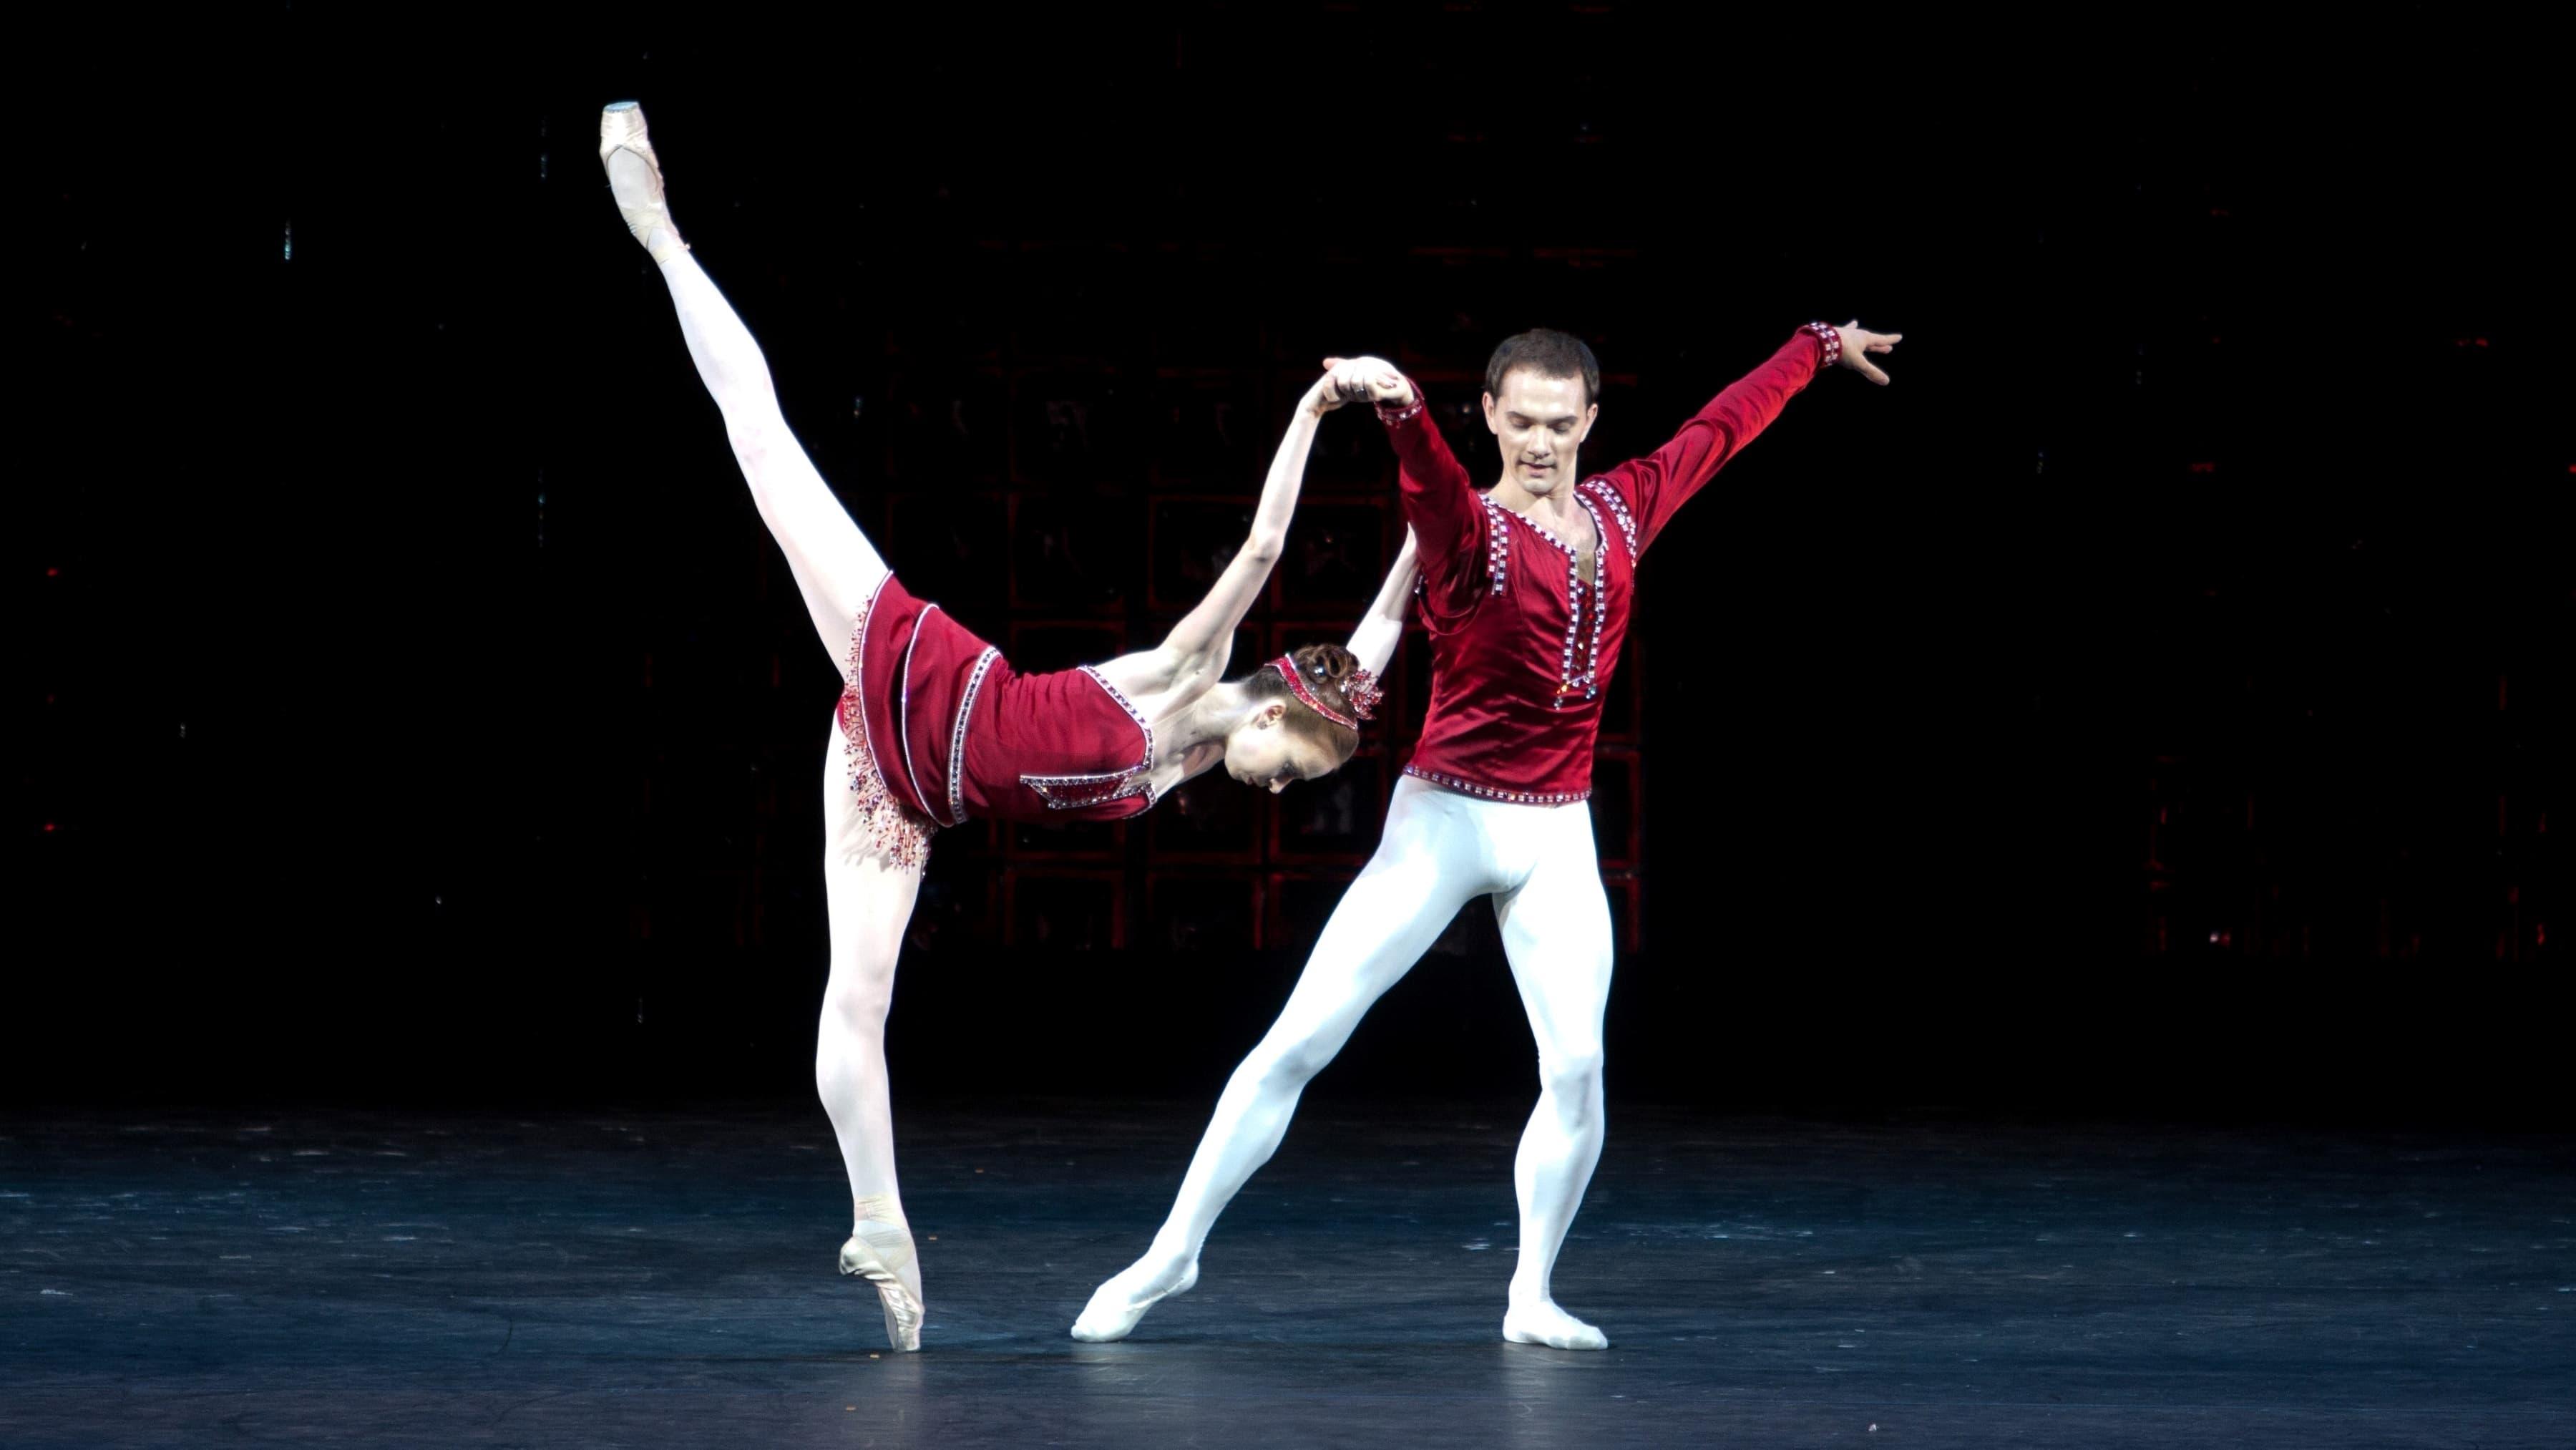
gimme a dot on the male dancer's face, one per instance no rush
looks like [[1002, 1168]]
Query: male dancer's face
[[1539, 422]]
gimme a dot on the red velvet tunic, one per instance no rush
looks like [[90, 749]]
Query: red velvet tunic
[[959, 734], [1520, 647]]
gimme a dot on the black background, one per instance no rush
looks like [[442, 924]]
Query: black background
[[2155, 702]]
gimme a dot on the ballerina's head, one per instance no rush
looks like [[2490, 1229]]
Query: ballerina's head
[[1305, 720]]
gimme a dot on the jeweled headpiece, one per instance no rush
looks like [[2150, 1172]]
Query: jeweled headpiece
[[1361, 690]]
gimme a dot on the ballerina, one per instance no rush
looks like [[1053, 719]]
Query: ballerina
[[935, 728]]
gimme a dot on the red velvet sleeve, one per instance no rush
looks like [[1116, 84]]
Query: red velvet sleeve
[[1441, 505], [1657, 485]]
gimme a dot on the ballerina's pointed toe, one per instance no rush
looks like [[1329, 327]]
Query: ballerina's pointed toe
[[635, 179], [880, 1253]]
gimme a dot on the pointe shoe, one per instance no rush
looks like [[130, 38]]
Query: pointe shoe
[[881, 1253], [635, 179]]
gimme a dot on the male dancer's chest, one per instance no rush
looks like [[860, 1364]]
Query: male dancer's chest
[[1557, 601]]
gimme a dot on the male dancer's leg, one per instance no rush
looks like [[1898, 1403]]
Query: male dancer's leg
[[1429, 862], [1556, 933]]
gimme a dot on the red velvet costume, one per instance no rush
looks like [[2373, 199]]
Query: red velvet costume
[[957, 734], [1520, 647]]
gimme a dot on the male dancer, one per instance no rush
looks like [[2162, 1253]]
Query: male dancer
[[1526, 590]]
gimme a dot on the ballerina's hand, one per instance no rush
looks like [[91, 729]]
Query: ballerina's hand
[[1858, 345], [1326, 395], [1368, 379]]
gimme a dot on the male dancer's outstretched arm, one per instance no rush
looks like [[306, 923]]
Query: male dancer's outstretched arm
[[1657, 485]]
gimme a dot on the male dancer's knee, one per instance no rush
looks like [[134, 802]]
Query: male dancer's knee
[[1570, 1078], [1285, 1064]]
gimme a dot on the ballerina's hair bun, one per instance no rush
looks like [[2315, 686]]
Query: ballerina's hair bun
[[1330, 676], [1327, 664]]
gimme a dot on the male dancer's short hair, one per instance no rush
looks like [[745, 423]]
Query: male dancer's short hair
[[1550, 354]]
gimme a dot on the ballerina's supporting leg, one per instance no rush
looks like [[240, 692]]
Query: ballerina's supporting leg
[[1556, 933], [870, 896], [871, 900]]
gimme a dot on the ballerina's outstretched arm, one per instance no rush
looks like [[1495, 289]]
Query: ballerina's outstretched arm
[[1375, 637], [1194, 654]]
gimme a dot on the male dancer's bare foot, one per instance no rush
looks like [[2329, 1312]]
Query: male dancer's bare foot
[[1539, 1321], [1117, 1305]]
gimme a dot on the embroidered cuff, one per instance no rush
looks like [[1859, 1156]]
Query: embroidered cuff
[[1831, 338], [1392, 416]]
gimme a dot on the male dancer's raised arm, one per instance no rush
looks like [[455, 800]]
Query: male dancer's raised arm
[[1445, 523], [1657, 485]]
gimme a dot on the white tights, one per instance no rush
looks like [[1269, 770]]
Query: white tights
[[1440, 849], [836, 569]]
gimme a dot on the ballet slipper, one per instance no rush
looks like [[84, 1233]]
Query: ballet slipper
[[1116, 1306], [635, 179], [1541, 1322], [880, 1251]]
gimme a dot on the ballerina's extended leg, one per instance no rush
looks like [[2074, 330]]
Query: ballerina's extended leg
[[834, 565], [836, 569]]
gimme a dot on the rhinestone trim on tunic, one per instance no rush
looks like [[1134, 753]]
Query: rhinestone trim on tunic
[[903, 713], [1498, 540], [1136, 780], [1391, 417], [1832, 339], [1600, 599], [1514, 797], [957, 736], [1618, 510], [1588, 679]]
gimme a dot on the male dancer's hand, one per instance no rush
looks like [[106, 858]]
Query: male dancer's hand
[[1858, 345], [1373, 379]]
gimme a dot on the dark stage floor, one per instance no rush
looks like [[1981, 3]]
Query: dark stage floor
[[595, 1279]]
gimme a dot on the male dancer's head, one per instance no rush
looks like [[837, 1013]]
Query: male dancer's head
[[1541, 395]]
